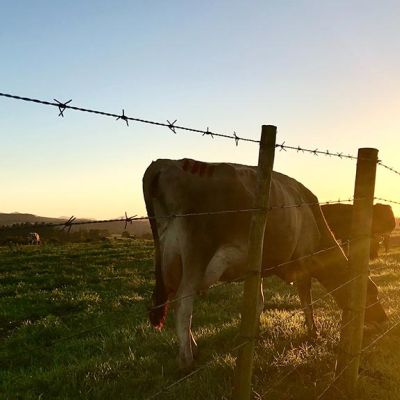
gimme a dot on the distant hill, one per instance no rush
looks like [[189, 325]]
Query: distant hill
[[137, 228]]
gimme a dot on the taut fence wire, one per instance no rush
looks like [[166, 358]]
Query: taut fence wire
[[62, 106], [72, 221]]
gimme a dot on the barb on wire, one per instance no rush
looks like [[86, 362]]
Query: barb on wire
[[237, 138], [62, 106], [281, 146], [208, 132], [171, 126], [68, 224], [128, 219], [123, 117]]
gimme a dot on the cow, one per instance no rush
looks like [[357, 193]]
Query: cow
[[34, 238], [338, 217], [194, 252]]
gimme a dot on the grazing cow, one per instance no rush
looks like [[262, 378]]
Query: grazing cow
[[338, 217], [192, 253], [33, 238]]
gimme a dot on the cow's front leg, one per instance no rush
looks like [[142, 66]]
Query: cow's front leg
[[304, 290], [183, 322]]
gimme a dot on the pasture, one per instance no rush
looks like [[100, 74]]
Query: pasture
[[73, 325]]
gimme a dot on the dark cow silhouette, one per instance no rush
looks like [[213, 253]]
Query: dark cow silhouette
[[192, 253], [338, 217]]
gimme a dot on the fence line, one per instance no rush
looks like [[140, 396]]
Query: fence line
[[123, 117], [128, 220], [386, 200], [62, 106]]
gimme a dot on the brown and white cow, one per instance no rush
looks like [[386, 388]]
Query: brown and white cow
[[192, 253], [34, 238]]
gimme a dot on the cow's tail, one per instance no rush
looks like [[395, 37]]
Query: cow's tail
[[158, 310]]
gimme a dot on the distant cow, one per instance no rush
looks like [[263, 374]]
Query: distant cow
[[339, 216], [192, 253], [33, 238]]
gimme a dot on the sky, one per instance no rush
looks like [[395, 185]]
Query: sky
[[325, 73]]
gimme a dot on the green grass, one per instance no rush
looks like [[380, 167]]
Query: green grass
[[73, 325]]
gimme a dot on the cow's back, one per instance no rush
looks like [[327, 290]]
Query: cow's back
[[188, 186]]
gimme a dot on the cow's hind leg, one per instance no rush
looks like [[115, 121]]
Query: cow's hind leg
[[183, 321], [304, 290]]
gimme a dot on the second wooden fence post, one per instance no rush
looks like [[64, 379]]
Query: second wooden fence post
[[252, 284], [353, 318]]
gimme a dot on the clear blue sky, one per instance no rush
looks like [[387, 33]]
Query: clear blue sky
[[326, 73]]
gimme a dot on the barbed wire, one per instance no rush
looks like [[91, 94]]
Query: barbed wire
[[389, 168], [62, 106], [316, 151], [123, 117], [72, 221], [386, 200]]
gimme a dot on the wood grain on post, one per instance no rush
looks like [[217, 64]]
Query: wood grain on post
[[251, 292], [353, 318]]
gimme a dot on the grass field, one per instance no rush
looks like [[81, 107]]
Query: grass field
[[73, 325]]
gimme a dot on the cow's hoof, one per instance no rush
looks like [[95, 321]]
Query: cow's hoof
[[185, 363]]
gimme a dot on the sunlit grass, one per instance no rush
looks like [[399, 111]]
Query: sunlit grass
[[73, 325]]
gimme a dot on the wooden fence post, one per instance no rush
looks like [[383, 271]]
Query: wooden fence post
[[353, 319], [251, 292]]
